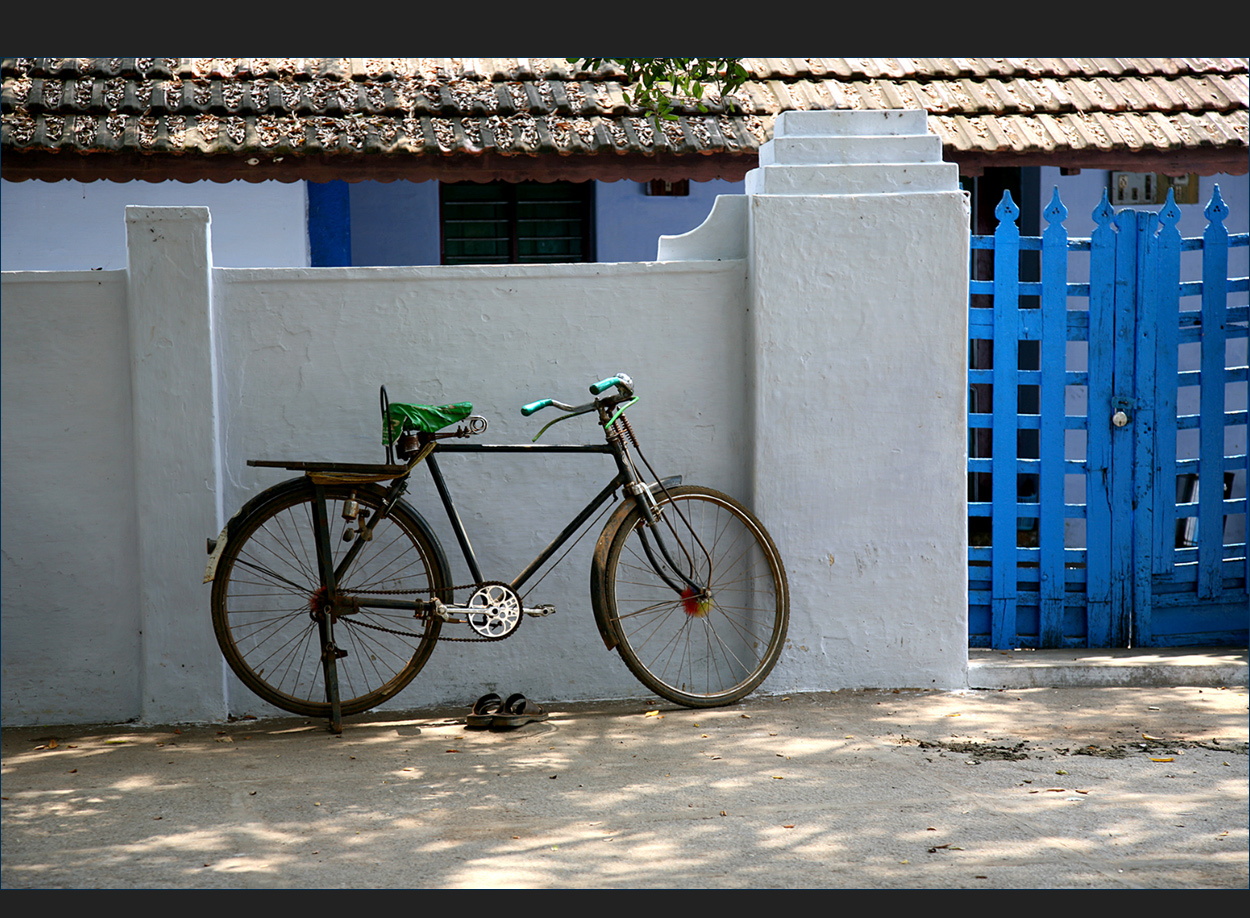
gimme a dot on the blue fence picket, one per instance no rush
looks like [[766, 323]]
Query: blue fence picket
[[1211, 401], [1098, 585], [1155, 431], [1166, 294], [1004, 523], [1125, 403], [1147, 386], [1053, 361]]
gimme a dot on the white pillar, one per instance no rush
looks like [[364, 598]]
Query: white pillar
[[858, 267], [177, 465]]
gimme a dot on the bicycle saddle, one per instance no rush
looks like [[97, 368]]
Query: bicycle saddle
[[425, 418]]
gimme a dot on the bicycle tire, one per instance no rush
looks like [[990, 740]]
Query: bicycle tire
[[267, 577], [695, 654]]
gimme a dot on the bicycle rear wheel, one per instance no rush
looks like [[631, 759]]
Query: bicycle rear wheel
[[697, 651], [266, 582]]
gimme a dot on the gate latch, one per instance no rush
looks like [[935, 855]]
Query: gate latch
[[1121, 408]]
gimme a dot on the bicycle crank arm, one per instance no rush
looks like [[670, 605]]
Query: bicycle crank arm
[[448, 613]]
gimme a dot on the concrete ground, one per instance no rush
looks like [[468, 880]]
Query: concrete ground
[[1118, 778]]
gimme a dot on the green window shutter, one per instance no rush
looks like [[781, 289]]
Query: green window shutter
[[510, 223], [475, 222]]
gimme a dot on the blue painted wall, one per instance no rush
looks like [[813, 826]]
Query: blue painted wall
[[396, 223], [629, 223], [329, 224]]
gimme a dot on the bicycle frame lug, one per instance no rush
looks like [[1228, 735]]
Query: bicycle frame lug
[[424, 608], [318, 606]]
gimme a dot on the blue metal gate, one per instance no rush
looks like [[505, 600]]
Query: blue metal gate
[[1107, 435]]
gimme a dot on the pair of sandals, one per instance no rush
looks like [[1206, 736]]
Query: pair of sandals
[[492, 711]]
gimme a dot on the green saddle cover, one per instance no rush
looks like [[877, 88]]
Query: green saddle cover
[[425, 418]]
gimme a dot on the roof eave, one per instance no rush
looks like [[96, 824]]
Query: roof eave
[[1203, 161], [488, 167], [485, 167]]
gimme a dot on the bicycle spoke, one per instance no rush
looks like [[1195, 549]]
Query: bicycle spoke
[[296, 588]]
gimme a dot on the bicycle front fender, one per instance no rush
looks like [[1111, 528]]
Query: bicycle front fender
[[598, 565]]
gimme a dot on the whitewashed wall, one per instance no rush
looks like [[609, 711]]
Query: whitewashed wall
[[67, 225], [803, 350], [69, 571]]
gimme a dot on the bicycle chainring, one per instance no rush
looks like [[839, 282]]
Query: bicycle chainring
[[494, 611]]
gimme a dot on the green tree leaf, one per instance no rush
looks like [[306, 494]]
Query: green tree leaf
[[661, 84]]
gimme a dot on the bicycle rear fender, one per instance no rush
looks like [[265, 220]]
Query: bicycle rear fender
[[598, 563], [217, 546]]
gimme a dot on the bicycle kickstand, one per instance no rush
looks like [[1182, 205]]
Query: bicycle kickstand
[[330, 653]]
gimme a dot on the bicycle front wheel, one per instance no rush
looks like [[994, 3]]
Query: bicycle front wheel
[[697, 647], [265, 612]]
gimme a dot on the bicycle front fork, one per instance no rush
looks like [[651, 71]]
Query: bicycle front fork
[[659, 568]]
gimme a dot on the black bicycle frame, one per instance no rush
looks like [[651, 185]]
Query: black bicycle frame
[[622, 477]]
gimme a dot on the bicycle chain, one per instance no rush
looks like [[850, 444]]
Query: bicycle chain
[[441, 637]]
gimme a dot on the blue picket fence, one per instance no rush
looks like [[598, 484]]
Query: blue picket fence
[[1107, 435]]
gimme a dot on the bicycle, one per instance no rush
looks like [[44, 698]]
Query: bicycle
[[686, 583]]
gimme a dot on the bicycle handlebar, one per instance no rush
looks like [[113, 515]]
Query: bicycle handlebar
[[620, 380]]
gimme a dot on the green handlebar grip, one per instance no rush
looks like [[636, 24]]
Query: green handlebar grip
[[605, 384], [535, 406]]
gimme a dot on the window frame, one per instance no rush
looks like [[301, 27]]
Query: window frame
[[513, 200]]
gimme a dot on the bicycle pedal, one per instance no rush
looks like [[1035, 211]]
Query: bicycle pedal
[[541, 611]]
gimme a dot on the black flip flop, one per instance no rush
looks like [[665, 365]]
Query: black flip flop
[[484, 711], [518, 711]]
